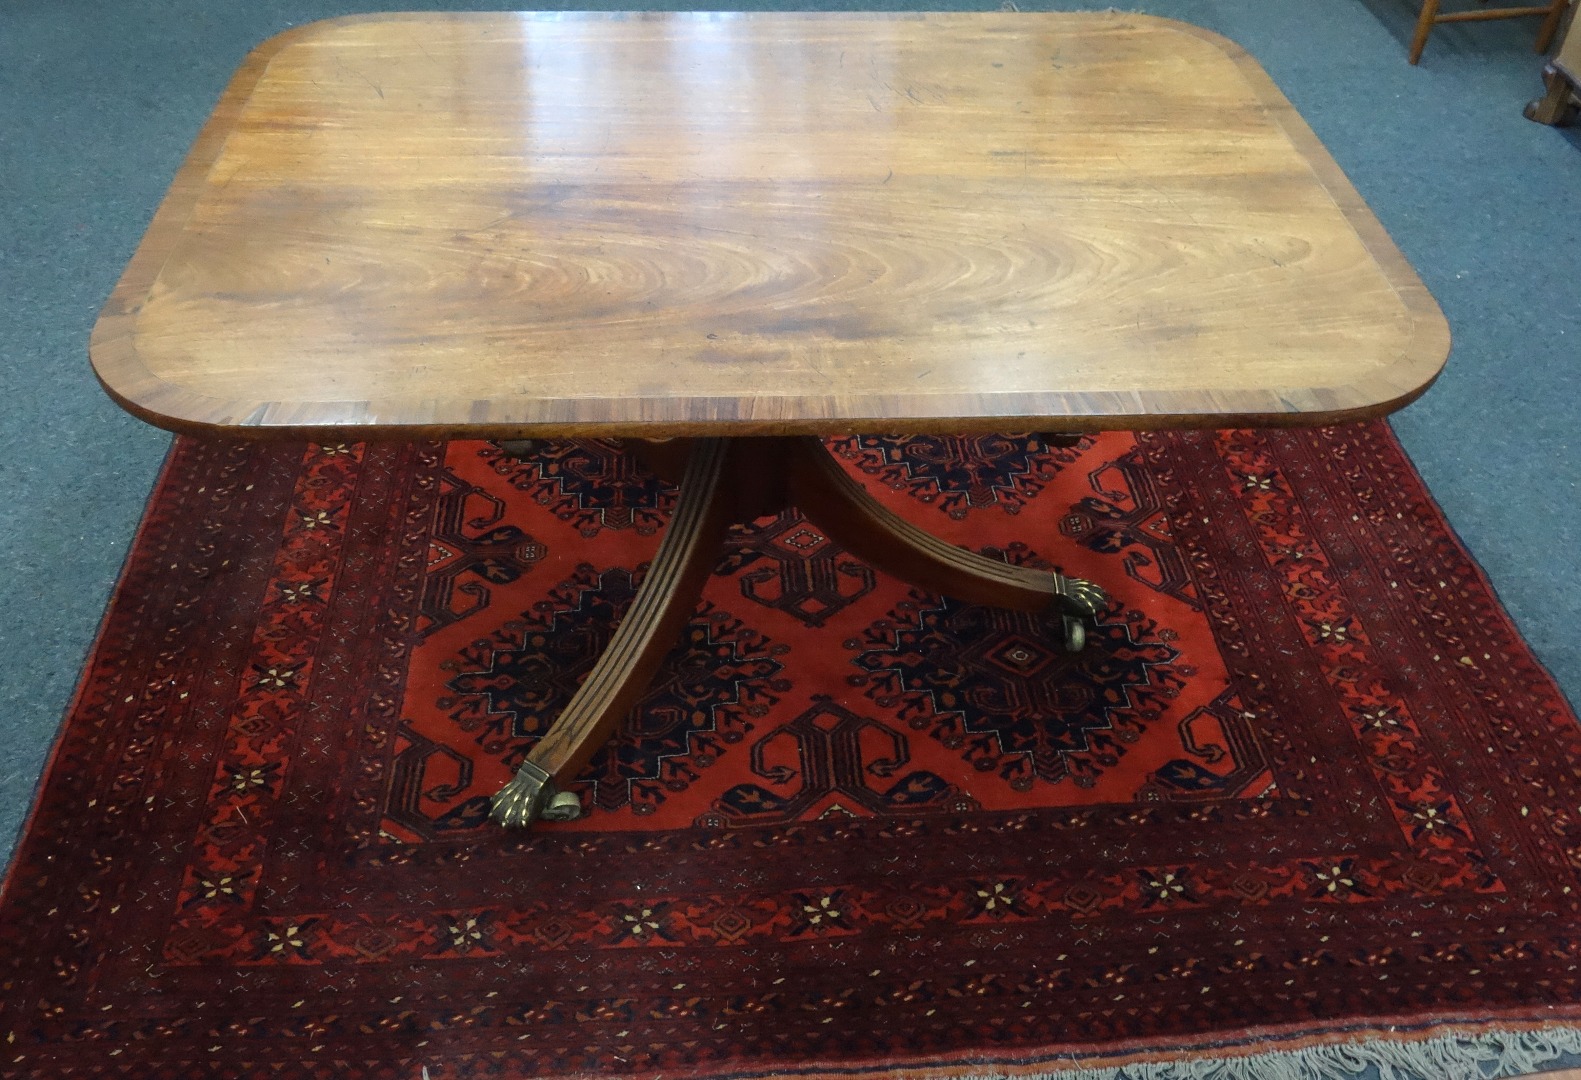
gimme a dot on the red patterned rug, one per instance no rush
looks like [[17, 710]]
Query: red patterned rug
[[1305, 785]]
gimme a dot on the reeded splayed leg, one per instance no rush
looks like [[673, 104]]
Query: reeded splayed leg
[[872, 532], [726, 480], [663, 604]]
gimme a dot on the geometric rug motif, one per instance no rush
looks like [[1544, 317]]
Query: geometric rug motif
[[960, 473], [996, 687], [590, 483], [470, 547], [785, 563], [1125, 516], [973, 692], [1305, 784]]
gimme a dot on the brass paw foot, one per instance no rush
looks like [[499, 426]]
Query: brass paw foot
[[531, 795], [1079, 597], [1078, 602]]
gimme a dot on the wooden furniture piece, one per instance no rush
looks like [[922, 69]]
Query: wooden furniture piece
[[1430, 17], [736, 232], [1562, 78]]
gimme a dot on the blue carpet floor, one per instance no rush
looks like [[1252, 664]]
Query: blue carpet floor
[[99, 101]]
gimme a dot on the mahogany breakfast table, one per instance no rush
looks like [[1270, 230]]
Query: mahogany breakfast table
[[719, 236]]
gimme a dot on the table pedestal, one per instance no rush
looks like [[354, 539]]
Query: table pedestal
[[724, 481]]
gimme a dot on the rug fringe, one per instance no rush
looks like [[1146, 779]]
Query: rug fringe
[[1485, 1056]]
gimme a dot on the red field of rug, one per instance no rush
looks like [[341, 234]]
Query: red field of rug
[[1305, 784]]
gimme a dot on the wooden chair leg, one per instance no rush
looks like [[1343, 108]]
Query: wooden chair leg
[[852, 518], [1554, 105], [663, 604], [1550, 27], [1424, 26]]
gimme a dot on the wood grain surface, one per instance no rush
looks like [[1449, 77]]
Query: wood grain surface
[[503, 225]]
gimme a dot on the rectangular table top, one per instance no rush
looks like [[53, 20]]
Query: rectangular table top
[[495, 225]]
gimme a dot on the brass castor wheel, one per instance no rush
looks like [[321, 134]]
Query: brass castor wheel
[[1075, 633], [563, 806], [1077, 603]]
